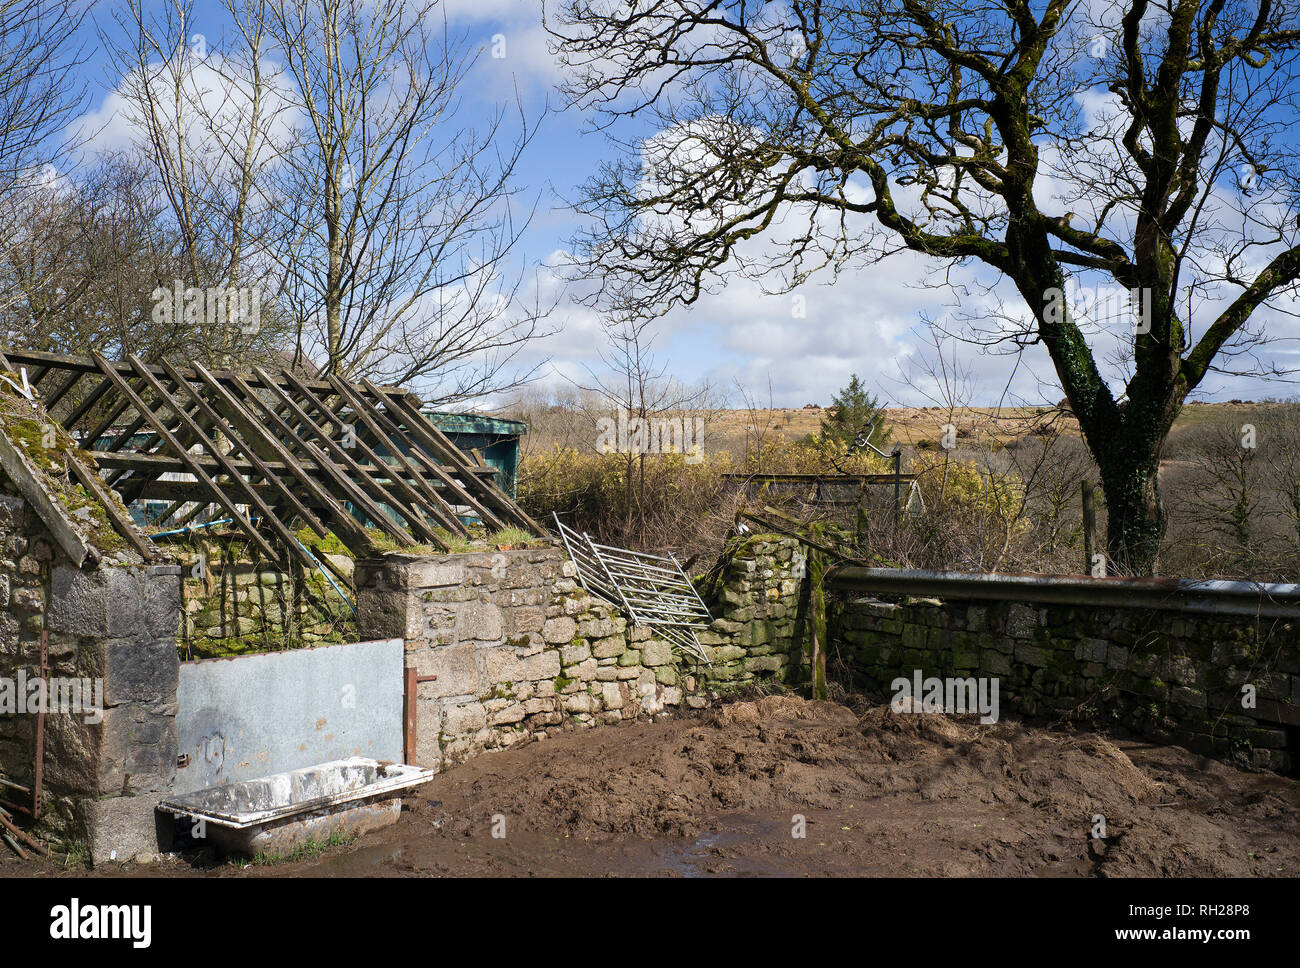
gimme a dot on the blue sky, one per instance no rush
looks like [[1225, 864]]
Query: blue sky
[[867, 322]]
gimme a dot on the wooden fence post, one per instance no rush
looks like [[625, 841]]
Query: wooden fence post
[[817, 622], [1089, 526]]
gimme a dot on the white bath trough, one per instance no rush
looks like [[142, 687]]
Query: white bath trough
[[278, 813]]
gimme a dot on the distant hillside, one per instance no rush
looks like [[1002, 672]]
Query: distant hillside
[[913, 424], [910, 426]]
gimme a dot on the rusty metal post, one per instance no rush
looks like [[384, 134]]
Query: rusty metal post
[[39, 768], [409, 715]]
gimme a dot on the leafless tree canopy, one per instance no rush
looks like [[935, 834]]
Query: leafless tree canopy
[[316, 152], [38, 89], [39, 95]]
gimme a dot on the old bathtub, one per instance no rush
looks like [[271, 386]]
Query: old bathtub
[[274, 815]]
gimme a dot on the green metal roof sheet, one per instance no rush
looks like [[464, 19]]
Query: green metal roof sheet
[[475, 423]]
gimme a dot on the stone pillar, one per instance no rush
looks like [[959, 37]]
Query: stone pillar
[[115, 625], [759, 625]]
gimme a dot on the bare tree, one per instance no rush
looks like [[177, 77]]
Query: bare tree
[[1153, 153], [89, 251], [562, 416], [316, 153], [1228, 481], [638, 392], [93, 249], [758, 421], [1234, 484], [1281, 431], [396, 227], [38, 97], [205, 117]]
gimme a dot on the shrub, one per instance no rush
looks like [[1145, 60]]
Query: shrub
[[813, 454], [973, 513], [660, 503]]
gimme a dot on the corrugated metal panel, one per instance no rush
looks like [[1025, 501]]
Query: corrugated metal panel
[[496, 438]]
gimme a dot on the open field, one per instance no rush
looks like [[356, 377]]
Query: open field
[[720, 793], [910, 426], [913, 424]]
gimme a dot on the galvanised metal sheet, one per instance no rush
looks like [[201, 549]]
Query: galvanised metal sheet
[[249, 716]]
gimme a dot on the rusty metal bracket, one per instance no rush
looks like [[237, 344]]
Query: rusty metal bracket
[[410, 712]]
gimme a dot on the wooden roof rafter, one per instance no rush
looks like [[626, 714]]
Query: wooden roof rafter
[[273, 450]]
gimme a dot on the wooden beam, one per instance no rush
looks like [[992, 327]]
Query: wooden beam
[[88, 364], [176, 425], [258, 465], [79, 412], [164, 464], [338, 451], [268, 442], [410, 716], [122, 522], [236, 478], [353, 491], [339, 517], [415, 506], [476, 478], [120, 407], [219, 496], [445, 462], [440, 445], [51, 512], [50, 400], [371, 417]]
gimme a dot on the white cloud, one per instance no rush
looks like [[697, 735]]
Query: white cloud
[[213, 90], [477, 10], [867, 323]]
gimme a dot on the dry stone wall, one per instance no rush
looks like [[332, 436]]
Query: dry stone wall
[[520, 650], [1172, 675], [517, 647], [761, 613], [233, 605]]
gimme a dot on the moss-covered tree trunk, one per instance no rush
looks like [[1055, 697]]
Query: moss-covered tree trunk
[[1125, 436], [1135, 523], [994, 88]]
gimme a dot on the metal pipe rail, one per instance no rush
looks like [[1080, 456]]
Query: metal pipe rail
[[1178, 594]]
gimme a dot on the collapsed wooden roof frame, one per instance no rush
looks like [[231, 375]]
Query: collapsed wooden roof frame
[[278, 444]]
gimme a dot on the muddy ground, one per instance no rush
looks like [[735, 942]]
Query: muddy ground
[[881, 793]]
